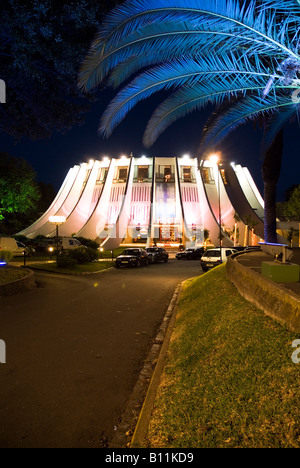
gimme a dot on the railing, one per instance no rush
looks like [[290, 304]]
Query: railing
[[120, 181], [139, 180], [161, 178], [190, 180]]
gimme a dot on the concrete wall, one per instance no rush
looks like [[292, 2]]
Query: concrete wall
[[276, 301]]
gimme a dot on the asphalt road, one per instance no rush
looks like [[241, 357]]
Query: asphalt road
[[75, 348]]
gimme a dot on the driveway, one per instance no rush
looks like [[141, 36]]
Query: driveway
[[75, 348]]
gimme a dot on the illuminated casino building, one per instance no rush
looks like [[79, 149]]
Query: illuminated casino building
[[163, 201]]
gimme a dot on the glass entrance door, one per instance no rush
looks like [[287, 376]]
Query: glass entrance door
[[169, 234]]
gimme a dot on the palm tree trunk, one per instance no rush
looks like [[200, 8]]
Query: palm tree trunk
[[270, 212], [271, 173]]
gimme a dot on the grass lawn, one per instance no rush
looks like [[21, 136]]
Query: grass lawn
[[8, 274], [78, 269], [229, 380], [117, 252]]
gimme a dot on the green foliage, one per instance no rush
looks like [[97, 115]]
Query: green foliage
[[229, 380], [6, 256], [292, 207], [42, 44], [65, 260], [19, 193], [81, 256], [84, 255], [88, 242]]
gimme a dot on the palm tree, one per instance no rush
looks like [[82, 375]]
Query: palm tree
[[242, 56]]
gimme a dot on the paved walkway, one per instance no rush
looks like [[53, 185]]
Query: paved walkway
[[75, 349]]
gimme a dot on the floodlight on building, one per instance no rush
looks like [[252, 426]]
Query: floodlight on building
[[214, 158], [57, 219]]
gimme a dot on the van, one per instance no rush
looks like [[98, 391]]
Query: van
[[64, 243], [11, 245], [212, 257]]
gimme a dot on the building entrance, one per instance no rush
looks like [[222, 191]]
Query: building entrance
[[170, 234]]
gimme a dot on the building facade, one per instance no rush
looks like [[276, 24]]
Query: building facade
[[163, 201]]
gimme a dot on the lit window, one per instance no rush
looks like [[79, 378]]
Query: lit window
[[224, 176], [187, 174], [102, 174], [123, 171], [143, 173], [207, 175]]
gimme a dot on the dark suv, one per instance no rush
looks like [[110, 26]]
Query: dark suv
[[157, 254], [132, 258], [191, 254]]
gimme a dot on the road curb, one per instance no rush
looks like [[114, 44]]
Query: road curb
[[132, 430], [84, 273], [18, 286]]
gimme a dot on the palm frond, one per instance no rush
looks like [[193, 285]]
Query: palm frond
[[245, 110], [176, 24], [188, 73], [188, 100], [281, 6], [185, 47], [276, 122]]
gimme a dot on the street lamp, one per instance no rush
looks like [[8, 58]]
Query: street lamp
[[216, 159], [57, 221]]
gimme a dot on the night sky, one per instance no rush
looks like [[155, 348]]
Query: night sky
[[52, 158]]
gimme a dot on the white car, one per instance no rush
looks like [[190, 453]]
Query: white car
[[212, 257]]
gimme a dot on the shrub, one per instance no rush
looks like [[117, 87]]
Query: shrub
[[6, 256], [70, 258], [80, 255], [88, 243], [85, 255], [65, 260]]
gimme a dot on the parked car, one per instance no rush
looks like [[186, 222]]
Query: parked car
[[191, 254], [17, 248], [157, 254], [132, 258], [212, 257]]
